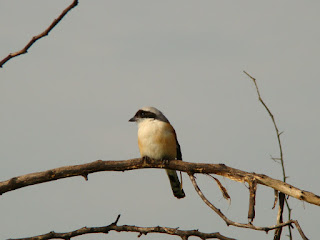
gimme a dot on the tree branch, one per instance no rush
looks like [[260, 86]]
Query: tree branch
[[274, 124], [252, 200], [138, 163], [277, 233], [243, 225], [281, 203], [41, 35], [184, 234]]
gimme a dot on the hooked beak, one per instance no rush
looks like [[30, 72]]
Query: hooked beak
[[134, 119]]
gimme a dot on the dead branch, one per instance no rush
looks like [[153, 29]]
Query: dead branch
[[252, 200], [277, 233], [281, 203], [41, 35], [222, 188], [243, 225], [138, 163], [274, 124], [184, 234], [276, 197]]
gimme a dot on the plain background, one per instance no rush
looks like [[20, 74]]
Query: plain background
[[69, 99]]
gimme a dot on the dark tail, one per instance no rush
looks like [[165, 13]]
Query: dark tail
[[175, 184]]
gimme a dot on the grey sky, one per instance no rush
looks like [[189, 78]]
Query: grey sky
[[69, 99]]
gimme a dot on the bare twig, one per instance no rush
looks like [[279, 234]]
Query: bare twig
[[41, 35], [280, 150], [242, 225], [139, 163], [274, 124], [222, 188], [276, 197], [299, 229], [184, 234]]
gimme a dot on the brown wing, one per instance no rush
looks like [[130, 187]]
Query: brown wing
[[172, 174], [178, 148]]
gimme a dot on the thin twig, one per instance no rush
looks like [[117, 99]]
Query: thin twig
[[300, 229], [41, 35], [184, 234], [222, 188], [274, 124], [284, 176], [276, 197], [242, 225]]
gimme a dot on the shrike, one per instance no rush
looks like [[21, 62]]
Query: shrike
[[157, 139]]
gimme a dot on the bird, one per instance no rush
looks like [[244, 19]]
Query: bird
[[157, 139]]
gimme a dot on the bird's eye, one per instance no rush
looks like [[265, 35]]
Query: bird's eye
[[143, 114]]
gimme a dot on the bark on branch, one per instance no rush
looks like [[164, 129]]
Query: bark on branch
[[184, 234], [138, 163]]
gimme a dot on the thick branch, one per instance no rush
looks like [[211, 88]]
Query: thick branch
[[184, 234], [41, 35], [138, 163]]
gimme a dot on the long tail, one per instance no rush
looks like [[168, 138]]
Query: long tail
[[175, 184]]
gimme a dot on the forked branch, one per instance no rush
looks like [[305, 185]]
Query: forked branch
[[243, 225]]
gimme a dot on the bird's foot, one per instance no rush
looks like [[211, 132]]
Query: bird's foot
[[165, 161], [146, 159]]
